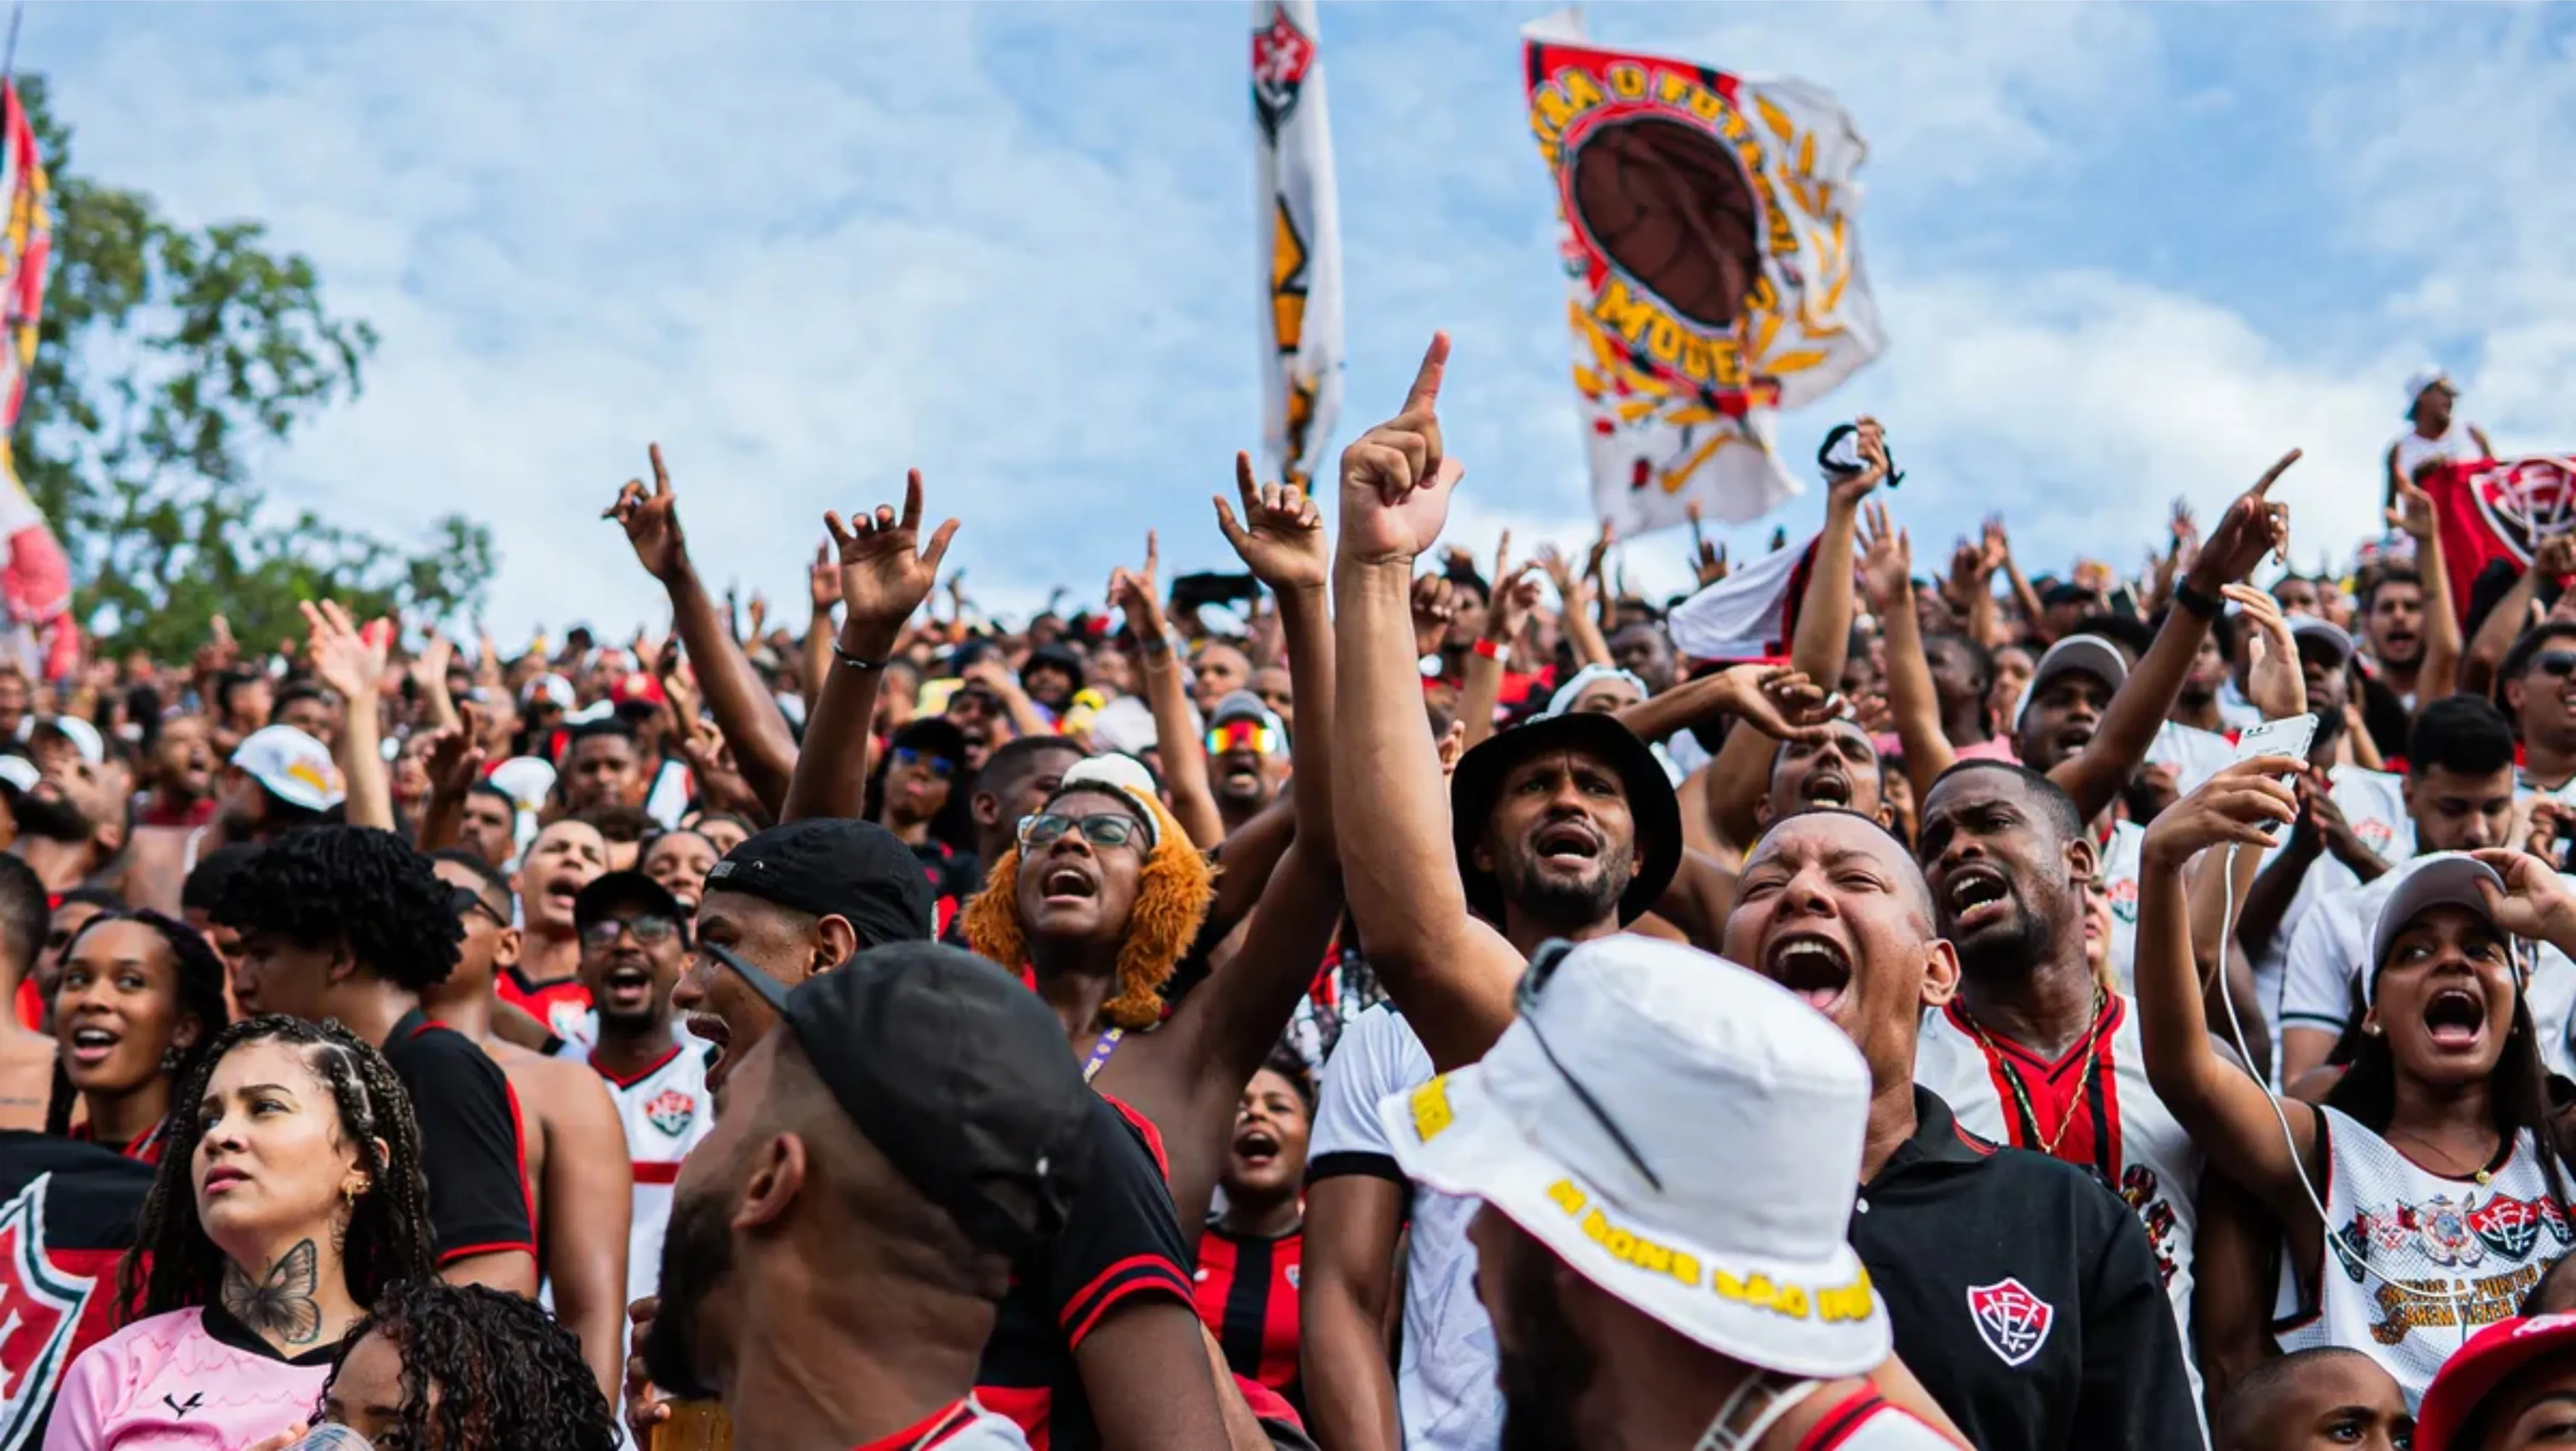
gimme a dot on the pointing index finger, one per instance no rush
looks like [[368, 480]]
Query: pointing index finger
[[1425, 394], [2263, 485]]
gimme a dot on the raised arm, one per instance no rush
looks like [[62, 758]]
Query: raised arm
[[2555, 558], [429, 677], [352, 662], [762, 746], [1452, 975], [2228, 1113], [2252, 527], [1506, 616], [1158, 659], [885, 572], [1574, 608], [2439, 674], [823, 588], [455, 763], [1887, 573]]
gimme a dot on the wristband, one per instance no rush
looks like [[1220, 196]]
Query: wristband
[[1488, 649], [855, 662], [2204, 606], [1157, 644]]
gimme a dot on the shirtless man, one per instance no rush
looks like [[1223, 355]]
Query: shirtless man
[[26, 1056], [577, 1164]]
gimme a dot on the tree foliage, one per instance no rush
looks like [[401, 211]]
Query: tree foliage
[[170, 361]]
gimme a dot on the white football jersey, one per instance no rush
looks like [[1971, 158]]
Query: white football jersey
[[2121, 1130], [2119, 869], [666, 1112]]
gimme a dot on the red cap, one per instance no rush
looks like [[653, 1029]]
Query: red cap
[[2477, 1368], [634, 687]]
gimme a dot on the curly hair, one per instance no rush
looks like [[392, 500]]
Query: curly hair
[[352, 885], [199, 973], [174, 1266], [504, 1371], [1173, 893]]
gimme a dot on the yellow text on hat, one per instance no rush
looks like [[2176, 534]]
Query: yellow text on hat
[[1624, 1245], [1431, 1111]]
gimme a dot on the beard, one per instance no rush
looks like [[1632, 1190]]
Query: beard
[[1557, 902], [697, 1256], [51, 817], [1549, 1372], [2006, 949]]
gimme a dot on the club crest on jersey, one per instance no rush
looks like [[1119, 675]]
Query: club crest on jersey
[[40, 1308], [2442, 1227], [1291, 1273], [2507, 1225], [671, 1111], [2010, 1319], [2124, 900]]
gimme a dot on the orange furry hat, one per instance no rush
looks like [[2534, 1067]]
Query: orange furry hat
[[1173, 893]]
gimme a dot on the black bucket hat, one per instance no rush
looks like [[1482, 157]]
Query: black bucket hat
[[1651, 802]]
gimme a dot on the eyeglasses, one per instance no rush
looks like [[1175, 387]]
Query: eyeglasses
[[650, 929], [462, 900], [939, 766], [1543, 965], [1237, 735], [2556, 664], [1106, 829], [771, 990]]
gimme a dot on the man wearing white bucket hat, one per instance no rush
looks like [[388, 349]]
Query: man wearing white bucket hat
[[1666, 1146]]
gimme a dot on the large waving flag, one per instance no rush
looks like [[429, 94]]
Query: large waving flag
[[1301, 241], [2490, 509], [1706, 227], [36, 581]]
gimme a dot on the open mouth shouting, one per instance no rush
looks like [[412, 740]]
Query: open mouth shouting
[[1255, 1146], [2455, 1018], [1068, 883], [1813, 966], [1826, 788], [1976, 896], [628, 986], [1567, 844]]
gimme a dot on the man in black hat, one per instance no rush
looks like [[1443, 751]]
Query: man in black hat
[[843, 1241], [633, 935], [794, 901]]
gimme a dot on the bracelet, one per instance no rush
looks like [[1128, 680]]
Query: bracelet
[[1157, 644], [2204, 606], [855, 662], [1488, 648]]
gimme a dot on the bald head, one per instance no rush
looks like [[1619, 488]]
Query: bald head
[[1852, 832]]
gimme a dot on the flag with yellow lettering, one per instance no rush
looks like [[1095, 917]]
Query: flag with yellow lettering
[[1300, 241], [1706, 226], [36, 579]]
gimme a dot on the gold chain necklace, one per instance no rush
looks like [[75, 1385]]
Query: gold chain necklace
[[2021, 1094]]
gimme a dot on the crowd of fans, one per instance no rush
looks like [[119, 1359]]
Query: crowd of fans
[[1375, 1001]]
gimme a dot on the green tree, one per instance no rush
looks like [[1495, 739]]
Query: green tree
[[168, 358]]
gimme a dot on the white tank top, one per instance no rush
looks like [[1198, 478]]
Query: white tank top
[[2465, 1252], [665, 1113], [2121, 1130]]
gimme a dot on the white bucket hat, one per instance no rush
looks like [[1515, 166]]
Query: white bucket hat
[[1682, 1133], [295, 768]]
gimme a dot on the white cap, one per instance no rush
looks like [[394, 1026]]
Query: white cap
[[2423, 378], [1123, 776], [1746, 1104], [554, 688], [2089, 653], [83, 736], [525, 779], [19, 774], [1125, 724], [2438, 879], [295, 768], [1586, 678]]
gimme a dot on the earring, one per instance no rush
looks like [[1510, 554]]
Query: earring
[[2371, 1029], [169, 1060], [349, 1194]]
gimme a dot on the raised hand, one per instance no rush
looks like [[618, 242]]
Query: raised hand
[[2274, 682], [1131, 591], [2535, 902], [2413, 515], [1396, 478], [886, 571], [1594, 561], [1435, 604], [222, 650], [2240, 804], [1994, 547], [344, 657], [430, 665], [2556, 558], [1886, 560], [1872, 445], [1281, 535], [1515, 596], [2252, 527], [455, 762], [1779, 702], [823, 579], [651, 519]]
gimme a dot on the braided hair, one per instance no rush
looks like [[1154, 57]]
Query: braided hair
[[505, 1373], [200, 975], [173, 1265]]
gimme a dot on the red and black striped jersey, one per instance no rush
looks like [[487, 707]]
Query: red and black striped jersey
[[1121, 1245], [1247, 1295], [67, 1215]]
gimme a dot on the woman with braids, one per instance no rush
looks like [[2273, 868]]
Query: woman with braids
[[289, 1199], [438, 1367], [140, 999], [2424, 1197]]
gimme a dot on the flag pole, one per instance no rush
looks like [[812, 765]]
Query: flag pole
[[9, 54]]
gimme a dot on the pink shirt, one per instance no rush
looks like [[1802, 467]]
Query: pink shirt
[[194, 1379]]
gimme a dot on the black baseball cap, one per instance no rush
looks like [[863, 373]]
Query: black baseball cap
[[610, 890], [831, 866], [959, 1076], [1652, 807]]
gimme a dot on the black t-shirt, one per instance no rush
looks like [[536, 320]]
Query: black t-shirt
[[470, 1147], [1122, 1243], [2023, 1295]]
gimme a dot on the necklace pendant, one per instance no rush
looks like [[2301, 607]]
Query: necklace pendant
[[2483, 1176]]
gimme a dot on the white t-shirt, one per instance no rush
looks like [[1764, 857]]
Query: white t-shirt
[[2120, 879], [2192, 754], [2456, 445], [2120, 1129], [665, 1113], [1444, 1385]]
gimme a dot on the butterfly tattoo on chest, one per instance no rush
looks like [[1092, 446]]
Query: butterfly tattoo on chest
[[281, 1304]]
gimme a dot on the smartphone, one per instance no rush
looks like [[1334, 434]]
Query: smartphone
[[2290, 737]]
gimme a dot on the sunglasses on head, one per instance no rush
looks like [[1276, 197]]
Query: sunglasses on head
[[939, 766], [1543, 966], [650, 929], [1242, 735], [2556, 664], [462, 900], [1106, 829]]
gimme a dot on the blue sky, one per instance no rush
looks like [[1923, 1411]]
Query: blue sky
[[2123, 254]]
